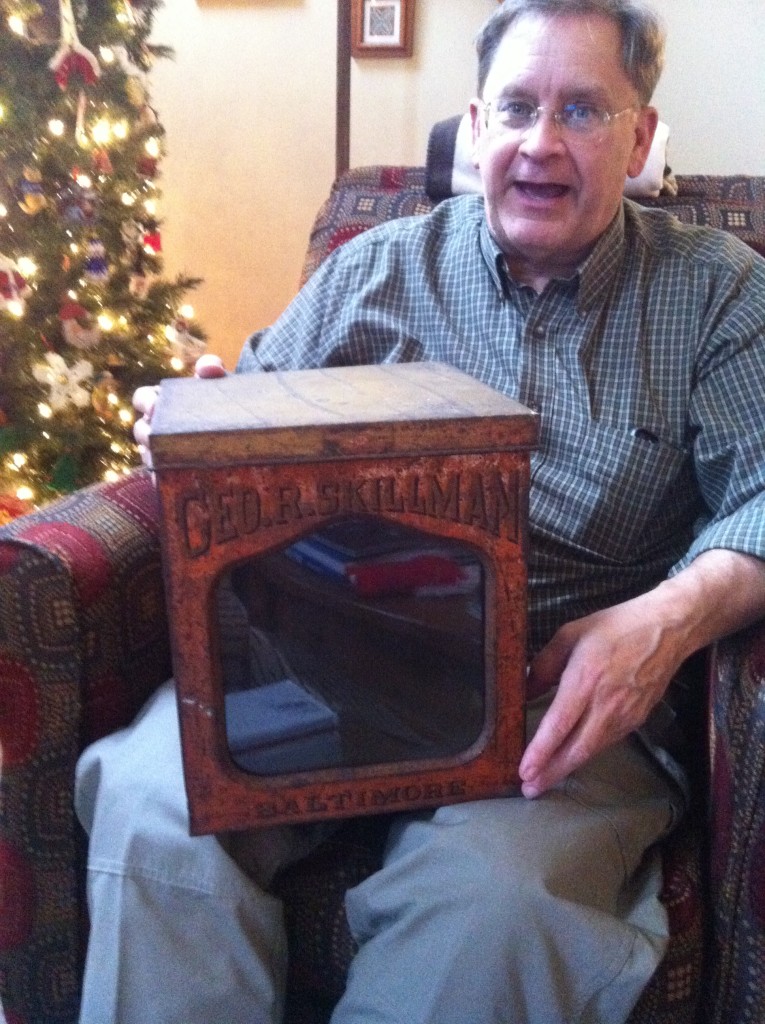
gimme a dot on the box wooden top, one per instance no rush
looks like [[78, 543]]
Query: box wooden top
[[334, 413]]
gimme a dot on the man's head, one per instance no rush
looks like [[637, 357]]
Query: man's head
[[642, 37], [561, 118]]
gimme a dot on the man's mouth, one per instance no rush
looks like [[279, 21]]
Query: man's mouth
[[541, 190]]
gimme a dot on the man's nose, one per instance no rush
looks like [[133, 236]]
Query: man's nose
[[545, 135]]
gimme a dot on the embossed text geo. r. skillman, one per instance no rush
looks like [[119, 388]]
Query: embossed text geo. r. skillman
[[211, 515]]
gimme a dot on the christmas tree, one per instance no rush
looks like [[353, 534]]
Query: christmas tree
[[85, 316]]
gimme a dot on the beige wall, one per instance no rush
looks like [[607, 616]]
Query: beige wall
[[248, 105], [712, 93]]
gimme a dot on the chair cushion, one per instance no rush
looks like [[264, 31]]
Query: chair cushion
[[737, 833], [83, 640]]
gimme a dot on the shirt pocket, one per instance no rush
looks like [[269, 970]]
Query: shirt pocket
[[613, 492]]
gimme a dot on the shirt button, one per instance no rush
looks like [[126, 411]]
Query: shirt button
[[539, 331]]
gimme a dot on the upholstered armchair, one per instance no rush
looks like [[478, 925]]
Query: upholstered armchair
[[84, 640]]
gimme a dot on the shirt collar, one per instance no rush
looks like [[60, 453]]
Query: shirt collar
[[593, 277]]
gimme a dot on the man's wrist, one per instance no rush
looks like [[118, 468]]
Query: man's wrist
[[720, 592]]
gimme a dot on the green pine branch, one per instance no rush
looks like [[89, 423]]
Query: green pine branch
[[79, 219]]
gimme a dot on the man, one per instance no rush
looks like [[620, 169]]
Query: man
[[640, 343]]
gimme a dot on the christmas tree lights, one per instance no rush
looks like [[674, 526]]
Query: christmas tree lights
[[85, 315]]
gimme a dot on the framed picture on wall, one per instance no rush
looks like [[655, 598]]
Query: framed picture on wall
[[382, 28]]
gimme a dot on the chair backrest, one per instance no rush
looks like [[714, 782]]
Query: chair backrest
[[360, 199], [365, 196]]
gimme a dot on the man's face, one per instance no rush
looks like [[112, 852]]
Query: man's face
[[550, 193]]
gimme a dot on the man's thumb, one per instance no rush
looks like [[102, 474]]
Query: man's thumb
[[209, 366]]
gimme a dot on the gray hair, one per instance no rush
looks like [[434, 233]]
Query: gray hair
[[641, 31]]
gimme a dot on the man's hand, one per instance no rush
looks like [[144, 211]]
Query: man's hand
[[145, 398], [612, 667]]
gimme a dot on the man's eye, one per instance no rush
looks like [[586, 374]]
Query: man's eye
[[581, 114], [516, 109]]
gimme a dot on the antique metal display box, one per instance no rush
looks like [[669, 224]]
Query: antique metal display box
[[344, 555]]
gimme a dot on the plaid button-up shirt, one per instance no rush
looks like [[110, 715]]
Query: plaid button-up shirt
[[647, 369]]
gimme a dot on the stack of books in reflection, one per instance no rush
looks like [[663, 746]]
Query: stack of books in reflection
[[376, 558], [281, 727]]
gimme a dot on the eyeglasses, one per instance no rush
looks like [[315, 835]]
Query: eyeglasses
[[519, 116]]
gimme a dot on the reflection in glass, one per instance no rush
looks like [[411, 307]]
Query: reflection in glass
[[360, 644]]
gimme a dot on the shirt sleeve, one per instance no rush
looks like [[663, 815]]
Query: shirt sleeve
[[727, 416]]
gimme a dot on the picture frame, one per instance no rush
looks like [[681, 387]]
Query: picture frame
[[382, 28]]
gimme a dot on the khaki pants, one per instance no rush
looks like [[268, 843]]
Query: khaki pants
[[507, 910]]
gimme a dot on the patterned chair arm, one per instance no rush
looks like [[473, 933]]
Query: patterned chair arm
[[83, 641], [737, 856]]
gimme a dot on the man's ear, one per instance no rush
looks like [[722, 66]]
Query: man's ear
[[647, 120], [477, 127]]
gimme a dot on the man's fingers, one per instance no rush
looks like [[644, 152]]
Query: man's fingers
[[549, 751], [145, 398], [209, 367], [571, 733], [575, 751], [141, 432]]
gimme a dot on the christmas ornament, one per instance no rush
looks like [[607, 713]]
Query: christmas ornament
[[101, 162], [76, 205], [64, 382], [139, 284], [116, 364], [65, 474], [184, 345], [11, 507], [13, 287], [78, 327], [80, 135], [152, 241], [96, 266], [103, 394], [135, 91], [72, 57], [147, 165], [32, 198], [147, 117]]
